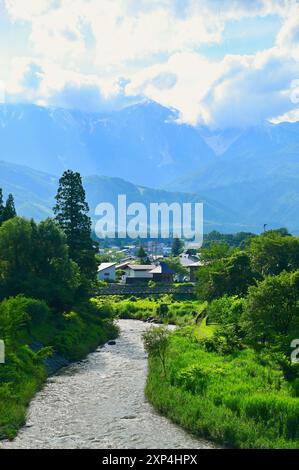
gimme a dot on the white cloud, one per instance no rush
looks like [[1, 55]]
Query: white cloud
[[250, 90], [27, 10], [238, 91], [288, 36], [46, 83], [193, 74], [122, 30], [99, 54], [128, 30]]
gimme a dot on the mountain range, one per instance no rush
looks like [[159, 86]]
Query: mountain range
[[142, 143], [247, 177], [34, 192]]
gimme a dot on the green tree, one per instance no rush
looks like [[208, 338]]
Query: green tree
[[271, 317], [227, 313], [142, 255], [239, 273], [216, 250], [231, 276], [177, 246], [240, 239], [274, 252], [283, 232], [71, 213], [34, 261], [226, 310], [16, 256], [57, 276], [1, 206], [176, 266], [9, 211], [13, 318]]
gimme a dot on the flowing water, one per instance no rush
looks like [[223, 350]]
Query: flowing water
[[99, 403]]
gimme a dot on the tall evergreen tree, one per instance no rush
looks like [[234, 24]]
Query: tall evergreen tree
[[177, 246], [142, 255], [1, 206], [71, 214], [9, 211]]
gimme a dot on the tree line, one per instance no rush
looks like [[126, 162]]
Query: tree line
[[54, 260], [7, 210], [253, 291]]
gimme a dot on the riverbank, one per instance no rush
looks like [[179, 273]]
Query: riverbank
[[71, 335], [99, 403], [161, 309], [238, 400]]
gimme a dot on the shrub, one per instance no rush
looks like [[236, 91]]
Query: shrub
[[156, 341], [271, 317]]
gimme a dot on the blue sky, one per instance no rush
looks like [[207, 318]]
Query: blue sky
[[245, 36], [224, 63]]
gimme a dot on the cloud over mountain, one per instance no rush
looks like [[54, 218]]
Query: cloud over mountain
[[97, 56]]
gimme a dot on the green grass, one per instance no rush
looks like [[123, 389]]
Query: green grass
[[237, 400], [177, 311], [21, 377], [203, 330]]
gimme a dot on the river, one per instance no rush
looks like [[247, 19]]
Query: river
[[100, 403]]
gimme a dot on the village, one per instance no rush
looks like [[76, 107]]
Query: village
[[149, 264]]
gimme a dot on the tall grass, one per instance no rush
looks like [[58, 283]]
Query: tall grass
[[236, 400], [163, 308]]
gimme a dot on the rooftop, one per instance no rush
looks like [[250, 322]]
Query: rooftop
[[142, 267], [124, 263], [105, 266], [188, 260]]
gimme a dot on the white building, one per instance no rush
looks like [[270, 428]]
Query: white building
[[139, 272], [106, 272]]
